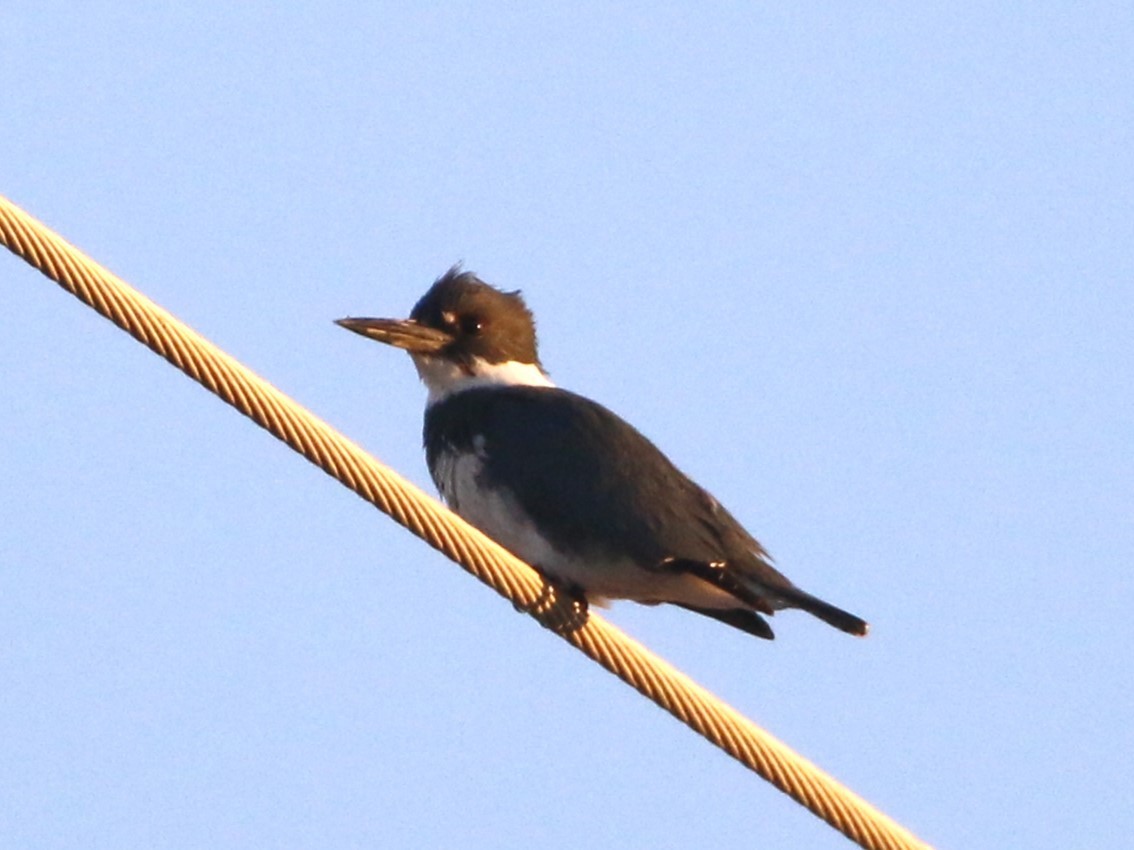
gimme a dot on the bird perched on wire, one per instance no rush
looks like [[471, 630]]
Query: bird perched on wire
[[565, 484]]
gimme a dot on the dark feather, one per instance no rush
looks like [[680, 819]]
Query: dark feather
[[590, 481], [738, 618], [585, 474]]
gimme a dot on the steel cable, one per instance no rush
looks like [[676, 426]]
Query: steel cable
[[344, 460]]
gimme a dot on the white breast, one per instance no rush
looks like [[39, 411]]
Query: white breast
[[459, 478]]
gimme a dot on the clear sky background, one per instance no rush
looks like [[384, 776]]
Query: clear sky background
[[865, 271]]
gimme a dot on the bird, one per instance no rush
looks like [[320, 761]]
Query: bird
[[564, 483]]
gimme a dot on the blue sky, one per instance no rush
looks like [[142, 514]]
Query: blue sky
[[866, 273]]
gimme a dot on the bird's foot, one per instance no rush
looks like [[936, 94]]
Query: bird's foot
[[560, 606]]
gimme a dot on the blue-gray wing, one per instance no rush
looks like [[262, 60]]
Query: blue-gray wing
[[588, 478]]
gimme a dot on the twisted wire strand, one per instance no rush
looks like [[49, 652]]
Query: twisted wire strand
[[406, 504]]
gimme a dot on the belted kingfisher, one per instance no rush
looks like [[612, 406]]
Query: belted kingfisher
[[565, 484]]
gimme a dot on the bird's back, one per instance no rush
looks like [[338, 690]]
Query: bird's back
[[589, 480]]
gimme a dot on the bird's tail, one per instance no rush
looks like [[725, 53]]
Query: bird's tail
[[793, 597]]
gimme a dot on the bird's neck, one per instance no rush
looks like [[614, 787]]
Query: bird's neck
[[443, 377]]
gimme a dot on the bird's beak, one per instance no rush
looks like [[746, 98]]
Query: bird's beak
[[400, 333]]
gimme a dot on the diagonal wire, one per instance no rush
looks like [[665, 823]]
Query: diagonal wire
[[511, 578]]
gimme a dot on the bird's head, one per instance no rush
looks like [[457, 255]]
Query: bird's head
[[463, 333]]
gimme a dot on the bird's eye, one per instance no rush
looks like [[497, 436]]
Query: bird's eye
[[471, 325]]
